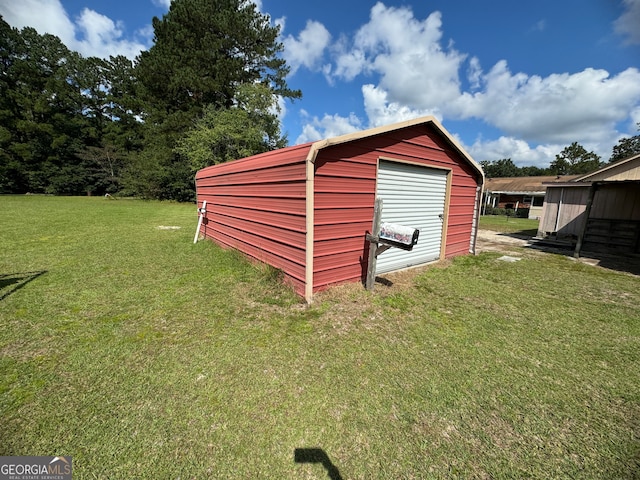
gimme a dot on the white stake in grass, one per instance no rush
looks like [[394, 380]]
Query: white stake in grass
[[202, 210]]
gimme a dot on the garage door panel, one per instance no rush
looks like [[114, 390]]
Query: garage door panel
[[413, 196]]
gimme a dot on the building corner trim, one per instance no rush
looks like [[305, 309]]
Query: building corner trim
[[310, 219]]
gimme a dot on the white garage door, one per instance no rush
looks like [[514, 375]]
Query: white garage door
[[412, 196]]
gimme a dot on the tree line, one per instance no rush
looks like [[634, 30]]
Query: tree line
[[572, 160], [206, 92]]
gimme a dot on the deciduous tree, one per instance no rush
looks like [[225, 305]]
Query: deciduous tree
[[500, 168], [41, 122], [67, 123], [626, 147], [247, 128], [575, 160]]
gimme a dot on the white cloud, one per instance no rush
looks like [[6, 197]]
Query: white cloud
[[308, 49], [280, 111], [417, 75], [381, 111], [523, 153], [377, 107], [258, 4], [474, 73], [279, 22], [310, 133], [406, 53], [635, 121], [349, 63], [559, 108], [628, 24], [102, 37], [327, 127], [92, 34], [414, 75], [519, 151], [51, 17], [162, 3]]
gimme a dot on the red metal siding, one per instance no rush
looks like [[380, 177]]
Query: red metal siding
[[461, 206], [257, 205], [345, 182]]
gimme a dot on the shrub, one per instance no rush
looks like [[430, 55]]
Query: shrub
[[495, 211], [509, 212]]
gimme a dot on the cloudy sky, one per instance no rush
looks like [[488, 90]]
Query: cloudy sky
[[509, 79]]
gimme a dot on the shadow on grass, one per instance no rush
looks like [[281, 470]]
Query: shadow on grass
[[621, 262], [522, 234], [317, 455], [12, 282], [384, 281]]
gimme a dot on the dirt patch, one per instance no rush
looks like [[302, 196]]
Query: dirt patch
[[489, 241], [403, 279]]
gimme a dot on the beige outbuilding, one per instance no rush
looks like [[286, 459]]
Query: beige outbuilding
[[599, 211]]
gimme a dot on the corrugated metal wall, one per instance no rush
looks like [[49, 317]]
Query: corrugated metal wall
[[345, 183], [257, 205], [414, 196]]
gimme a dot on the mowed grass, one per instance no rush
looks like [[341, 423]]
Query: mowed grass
[[145, 356], [502, 223]]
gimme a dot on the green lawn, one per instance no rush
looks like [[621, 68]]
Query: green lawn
[[142, 355], [502, 223]]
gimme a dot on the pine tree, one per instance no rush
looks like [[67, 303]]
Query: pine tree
[[626, 147], [204, 52]]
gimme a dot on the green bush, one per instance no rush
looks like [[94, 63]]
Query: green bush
[[495, 211], [509, 212]]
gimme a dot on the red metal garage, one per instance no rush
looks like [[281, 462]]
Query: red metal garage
[[306, 209]]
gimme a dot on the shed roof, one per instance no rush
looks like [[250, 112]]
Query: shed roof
[[523, 185], [625, 169], [312, 148], [398, 126]]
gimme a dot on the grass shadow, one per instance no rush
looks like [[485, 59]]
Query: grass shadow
[[317, 455], [621, 262], [384, 281], [528, 233], [12, 282], [521, 234]]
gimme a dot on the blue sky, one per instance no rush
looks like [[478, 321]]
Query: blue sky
[[508, 79]]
